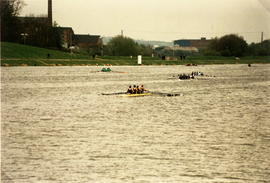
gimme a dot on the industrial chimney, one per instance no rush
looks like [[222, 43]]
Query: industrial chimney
[[50, 12]]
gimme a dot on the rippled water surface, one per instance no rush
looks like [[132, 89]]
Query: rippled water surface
[[56, 127]]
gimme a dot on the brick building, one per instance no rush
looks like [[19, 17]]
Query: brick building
[[82, 42], [67, 35], [89, 43]]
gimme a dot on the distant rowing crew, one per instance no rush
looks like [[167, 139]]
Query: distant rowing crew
[[190, 76], [136, 89]]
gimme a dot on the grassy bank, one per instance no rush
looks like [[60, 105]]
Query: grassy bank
[[23, 52], [22, 55]]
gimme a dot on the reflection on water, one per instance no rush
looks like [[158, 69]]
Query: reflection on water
[[56, 127]]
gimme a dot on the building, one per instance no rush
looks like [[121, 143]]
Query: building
[[197, 43], [32, 26], [35, 28], [90, 43], [86, 40], [30, 22], [67, 35]]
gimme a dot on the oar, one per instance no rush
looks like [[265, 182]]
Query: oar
[[118, 93], [166, 94]]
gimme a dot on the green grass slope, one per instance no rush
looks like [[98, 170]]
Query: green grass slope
[[20, 51], [13, 54]]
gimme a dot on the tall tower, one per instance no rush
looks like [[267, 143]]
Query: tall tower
[[50, 12]]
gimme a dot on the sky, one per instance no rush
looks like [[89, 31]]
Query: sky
[[160, 20]]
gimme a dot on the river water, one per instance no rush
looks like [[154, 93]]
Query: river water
[[56, 127]]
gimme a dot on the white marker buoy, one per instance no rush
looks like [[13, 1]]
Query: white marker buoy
[[139, 59]]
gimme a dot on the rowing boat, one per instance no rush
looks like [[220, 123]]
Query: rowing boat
[[136, 95], [151, 93], [125, 94]]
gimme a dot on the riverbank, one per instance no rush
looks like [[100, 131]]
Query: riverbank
[[146, 61], [23, 55]]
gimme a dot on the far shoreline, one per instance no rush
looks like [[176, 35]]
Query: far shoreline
[[10, 62]]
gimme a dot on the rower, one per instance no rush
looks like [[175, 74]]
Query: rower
[[134, 89], [142, 89], [129, 91], [138, 90]]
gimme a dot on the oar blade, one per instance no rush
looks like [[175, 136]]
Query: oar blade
[[118, 93], [167, 94]]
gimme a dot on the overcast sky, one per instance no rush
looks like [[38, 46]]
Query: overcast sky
[[164, 20]]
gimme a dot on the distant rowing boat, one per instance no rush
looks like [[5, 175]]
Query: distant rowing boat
[[124, 94]]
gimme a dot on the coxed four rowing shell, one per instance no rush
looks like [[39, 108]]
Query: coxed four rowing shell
[[123, 94]]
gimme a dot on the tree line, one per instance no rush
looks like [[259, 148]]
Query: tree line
[[228, 45], [234, 45], [125, 46]]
